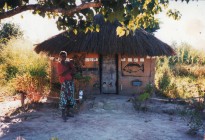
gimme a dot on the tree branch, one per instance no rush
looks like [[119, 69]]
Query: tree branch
[[48, 9]]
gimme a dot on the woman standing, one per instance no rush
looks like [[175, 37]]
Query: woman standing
[[65, 72]]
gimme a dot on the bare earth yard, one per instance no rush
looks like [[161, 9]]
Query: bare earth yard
[[102, 117]]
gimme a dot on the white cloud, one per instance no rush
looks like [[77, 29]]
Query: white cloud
[[190, 28], [194, 27], [35, 27]]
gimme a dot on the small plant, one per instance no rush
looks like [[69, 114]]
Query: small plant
[[164, 82], [34, 87], [149, 89], [193, 116], [140, 102], [11, 72]]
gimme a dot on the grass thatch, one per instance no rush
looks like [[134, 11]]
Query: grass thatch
[[141, 43]]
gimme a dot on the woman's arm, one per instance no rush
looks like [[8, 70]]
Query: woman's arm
[[70, 69]]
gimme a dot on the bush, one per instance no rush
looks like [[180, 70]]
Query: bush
[[140, 101], [183, 75], [33, 86], [23, 69], [11, 72], [193, 115], [8, 31], [164, 82]]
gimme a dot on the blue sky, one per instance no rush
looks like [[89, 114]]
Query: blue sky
[[190, 28]]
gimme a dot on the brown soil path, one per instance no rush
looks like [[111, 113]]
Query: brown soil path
[[107, 117]]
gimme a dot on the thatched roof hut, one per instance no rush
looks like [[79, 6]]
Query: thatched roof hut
[[123, 65], [139, 43]]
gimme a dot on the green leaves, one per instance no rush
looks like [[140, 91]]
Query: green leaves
[[146, 4], [175, 14], [132, 13], [38, 71], [144, 96], [120, 31], [8, 31], [11, 72], [75, 31], [97, 28]]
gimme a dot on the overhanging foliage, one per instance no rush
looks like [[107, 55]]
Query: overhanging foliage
[[78, 14]]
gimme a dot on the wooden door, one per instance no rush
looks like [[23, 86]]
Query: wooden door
[[109, 74]]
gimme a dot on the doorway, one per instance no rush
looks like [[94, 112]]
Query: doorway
[[109, 74]]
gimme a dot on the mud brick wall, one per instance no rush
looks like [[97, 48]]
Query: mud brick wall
[[125, 77]]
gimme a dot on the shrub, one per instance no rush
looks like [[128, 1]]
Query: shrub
[[140, 101], [23, 69], [193, 115], [34, 87], [8, 31], [183, 75], [11, 72], [164, 82]]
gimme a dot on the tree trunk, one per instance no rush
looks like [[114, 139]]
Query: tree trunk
[[22, 98]]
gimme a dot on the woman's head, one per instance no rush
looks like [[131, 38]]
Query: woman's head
[[63, 55]]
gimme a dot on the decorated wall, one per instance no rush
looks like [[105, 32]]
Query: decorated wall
[[88, 64], [135, 73], [132, 73]]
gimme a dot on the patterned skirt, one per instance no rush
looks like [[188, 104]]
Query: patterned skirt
[[67, 95]]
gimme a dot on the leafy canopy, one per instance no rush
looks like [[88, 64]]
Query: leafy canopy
[[78, 14]]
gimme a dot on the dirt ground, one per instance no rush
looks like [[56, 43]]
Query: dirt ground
[[101, 117]]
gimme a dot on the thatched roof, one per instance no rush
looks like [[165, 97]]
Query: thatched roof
[[141, 43]]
